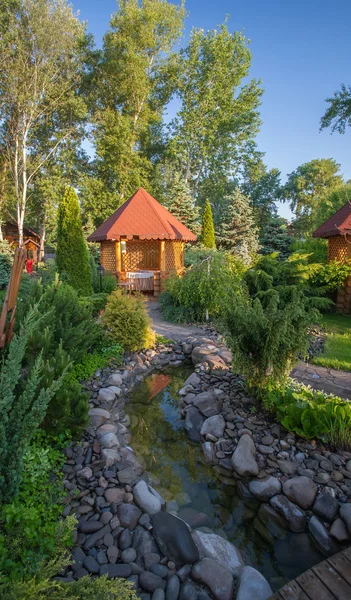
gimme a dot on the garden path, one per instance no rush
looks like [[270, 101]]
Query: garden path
[[330, 381]]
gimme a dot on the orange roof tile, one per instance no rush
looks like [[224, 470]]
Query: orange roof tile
[[144, 217], [338, 224]]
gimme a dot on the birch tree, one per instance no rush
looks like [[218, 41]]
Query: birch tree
[[41, 45]]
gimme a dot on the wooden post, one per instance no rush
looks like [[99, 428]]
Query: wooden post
[[9, 306], [118, 257], [162, 256]]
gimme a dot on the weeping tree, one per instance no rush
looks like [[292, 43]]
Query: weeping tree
[[72, 253]]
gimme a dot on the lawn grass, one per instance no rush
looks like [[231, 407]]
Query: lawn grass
[[337, 351]]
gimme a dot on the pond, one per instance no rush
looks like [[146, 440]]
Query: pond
[[177, 470]]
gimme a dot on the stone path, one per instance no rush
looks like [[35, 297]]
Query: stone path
[[319, 378]]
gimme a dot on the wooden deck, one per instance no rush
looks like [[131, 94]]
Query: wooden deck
[[329, 580]]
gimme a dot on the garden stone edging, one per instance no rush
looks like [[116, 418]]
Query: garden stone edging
[[116, 503]]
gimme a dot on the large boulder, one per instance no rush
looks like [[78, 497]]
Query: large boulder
[[265, 488], [345, 514], [218, 579], [114, 379], [145, 499], [208, 404], [211, 545], [214, 426], [106, 395], [301, 490], [174, 539], [143, 542], [294, 516], [216, 364], [110, 456], [199, 352], [326, 507], [193, 380], [98, 416], [253, 586], [129, 515], [243, 458], [209, 451], [320, 535], [193, 423]]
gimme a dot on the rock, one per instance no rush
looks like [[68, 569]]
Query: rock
[[160, 570], [326, 507], [144, 542], [129, 515], [265, 488], [188, 591], [110, 457], [113, 571], [112, 554], [216, 364], [300, 490], [127, 476], [158, 595], [253, 586], [208, 404], [184, 573], [95, 537], [211, 545], [321, 537], [91, 564], [214, 426], [193, 380], [78, 557], [151, 582], [173, 588], [199, 352], [109, 440], [98, 416], [243, 458], [339, 531], [115, 495], [106, 395], [125, 540], [145, 499], [174, 539], [294, 516], [128, 555], [215, 577], [345, 514], [151, 559], [287, 467], [209, 451], [274, 523], [115, 379], [194, 518], [193, 423], [90, 526]]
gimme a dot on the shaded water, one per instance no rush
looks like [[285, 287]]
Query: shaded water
[[175, 466]]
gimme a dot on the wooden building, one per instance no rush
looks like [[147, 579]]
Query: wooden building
[[337, 229], [142, 243], [31, 239]]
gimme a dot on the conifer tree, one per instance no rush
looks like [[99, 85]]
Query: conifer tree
[[208, 233], [72, 254], [181, 203], [238, 233]]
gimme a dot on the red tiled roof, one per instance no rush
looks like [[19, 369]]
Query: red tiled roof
[[337, 224], [142, 216]]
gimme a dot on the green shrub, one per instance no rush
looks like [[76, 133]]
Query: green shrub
[[95, 303], [332, 275], [205, 287], [72, 253], [6, 260], [126, 321], [316, 249], [267, 334], [109, 283], [24, 400], [207, 227], [30, 525], [96, 361], [47, 271], [311, 414]]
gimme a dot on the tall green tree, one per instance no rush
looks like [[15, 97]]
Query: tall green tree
[[137, 77], [180, 203], [238, 233], [218, 117], [308, 187], [207, 230], [337, 117], [72, 253], [41, 56], [262, 186], [274, 237]]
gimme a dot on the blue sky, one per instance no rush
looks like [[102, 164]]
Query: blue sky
[[301, 51]]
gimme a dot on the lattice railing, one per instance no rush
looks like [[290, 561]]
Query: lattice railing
[[337, 248], [108, 255], [174, 256], [141, 255]]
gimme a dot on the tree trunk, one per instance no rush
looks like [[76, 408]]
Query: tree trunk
[[42, 241]]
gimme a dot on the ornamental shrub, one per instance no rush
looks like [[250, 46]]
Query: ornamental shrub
[[332, 275], [126, 321], [72, 253], [207, 231], [6, 260]]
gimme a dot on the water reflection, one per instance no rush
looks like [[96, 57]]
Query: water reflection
[[176, 469]]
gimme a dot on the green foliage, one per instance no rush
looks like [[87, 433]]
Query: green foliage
[[24, 400], [72, 253], [6, 260], [208, 239], [126, 321], [180, 202], [332, 275], [205, 287], [96, 361], [262, 187], [30, 526], [194, 255], [274, 237], [312, 414], [95, 303], [314, 249], [338, 114], [237, 231], [47, 271], [266, 333]]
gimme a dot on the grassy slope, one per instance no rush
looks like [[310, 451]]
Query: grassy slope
[[337, 353]]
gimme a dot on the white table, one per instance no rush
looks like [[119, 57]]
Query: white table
[[140, 280]]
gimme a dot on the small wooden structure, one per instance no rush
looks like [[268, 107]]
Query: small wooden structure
[[329, 580], [337, 229], [142, 243], [31, 239]]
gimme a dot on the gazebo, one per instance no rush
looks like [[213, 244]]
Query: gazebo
[[337, 229], [142, 243]]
